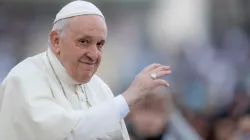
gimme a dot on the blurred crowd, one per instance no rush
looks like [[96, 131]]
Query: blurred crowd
[[206, 42]]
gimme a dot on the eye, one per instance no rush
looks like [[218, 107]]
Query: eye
[[100, 45], [84, 42]]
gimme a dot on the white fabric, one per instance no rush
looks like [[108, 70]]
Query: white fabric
[[77, 8], [122, 106], [34, 106], [80, 132]]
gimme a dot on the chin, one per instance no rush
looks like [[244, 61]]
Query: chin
[[84, 81], [86, 77]]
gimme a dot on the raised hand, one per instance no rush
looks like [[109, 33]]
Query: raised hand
[[145, 81]]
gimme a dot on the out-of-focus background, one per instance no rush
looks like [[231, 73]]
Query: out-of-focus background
[[206, 42]]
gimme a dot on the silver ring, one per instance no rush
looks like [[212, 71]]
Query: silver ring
[[153, 76]]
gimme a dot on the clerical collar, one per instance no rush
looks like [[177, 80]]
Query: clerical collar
[[60, 71]]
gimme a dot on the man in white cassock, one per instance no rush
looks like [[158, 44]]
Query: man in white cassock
[[56, 95]]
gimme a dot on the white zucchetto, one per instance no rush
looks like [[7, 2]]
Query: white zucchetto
[[77, 8]]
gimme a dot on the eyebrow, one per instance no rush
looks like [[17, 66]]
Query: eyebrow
[[102, 41], [87, 36]]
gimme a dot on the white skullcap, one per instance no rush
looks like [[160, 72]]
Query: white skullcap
[[77, 8]]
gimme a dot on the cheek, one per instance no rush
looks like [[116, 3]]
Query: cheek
[[71, 56], [98, 62], [99, 57]]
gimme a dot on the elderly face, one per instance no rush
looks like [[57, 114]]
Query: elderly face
[[80, 50]]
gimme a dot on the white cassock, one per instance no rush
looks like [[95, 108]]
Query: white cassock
[[33, 105]]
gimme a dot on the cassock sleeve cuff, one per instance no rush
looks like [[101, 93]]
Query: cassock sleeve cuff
[[122, 106]]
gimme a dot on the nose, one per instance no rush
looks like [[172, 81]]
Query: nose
[[92, 53]]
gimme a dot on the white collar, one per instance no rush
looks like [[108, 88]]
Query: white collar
[[60, 71]]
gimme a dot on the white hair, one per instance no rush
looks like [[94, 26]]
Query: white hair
[[59, 27]]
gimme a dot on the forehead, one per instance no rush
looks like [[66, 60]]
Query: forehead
[[88, 25]]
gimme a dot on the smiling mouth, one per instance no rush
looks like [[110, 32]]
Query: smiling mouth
[[88, 63]]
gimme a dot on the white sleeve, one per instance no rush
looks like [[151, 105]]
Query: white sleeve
[[120, 102], [122, 106], [105, 118], [101, 119]]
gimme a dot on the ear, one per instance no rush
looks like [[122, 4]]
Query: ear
[[54, 42]]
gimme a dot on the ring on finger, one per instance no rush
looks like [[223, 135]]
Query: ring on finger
[[153, 76]]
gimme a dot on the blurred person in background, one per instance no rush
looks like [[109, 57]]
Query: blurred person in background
[[224, 127], [244, 127], [232, 122], [148, 119], [157, 118], [57, 96]]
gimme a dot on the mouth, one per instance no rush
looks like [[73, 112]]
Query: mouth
[[87, 63]]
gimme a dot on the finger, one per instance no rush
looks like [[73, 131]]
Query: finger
[[160, 68], [160, 82], [163, 73], [167, 67], [150, 67]]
